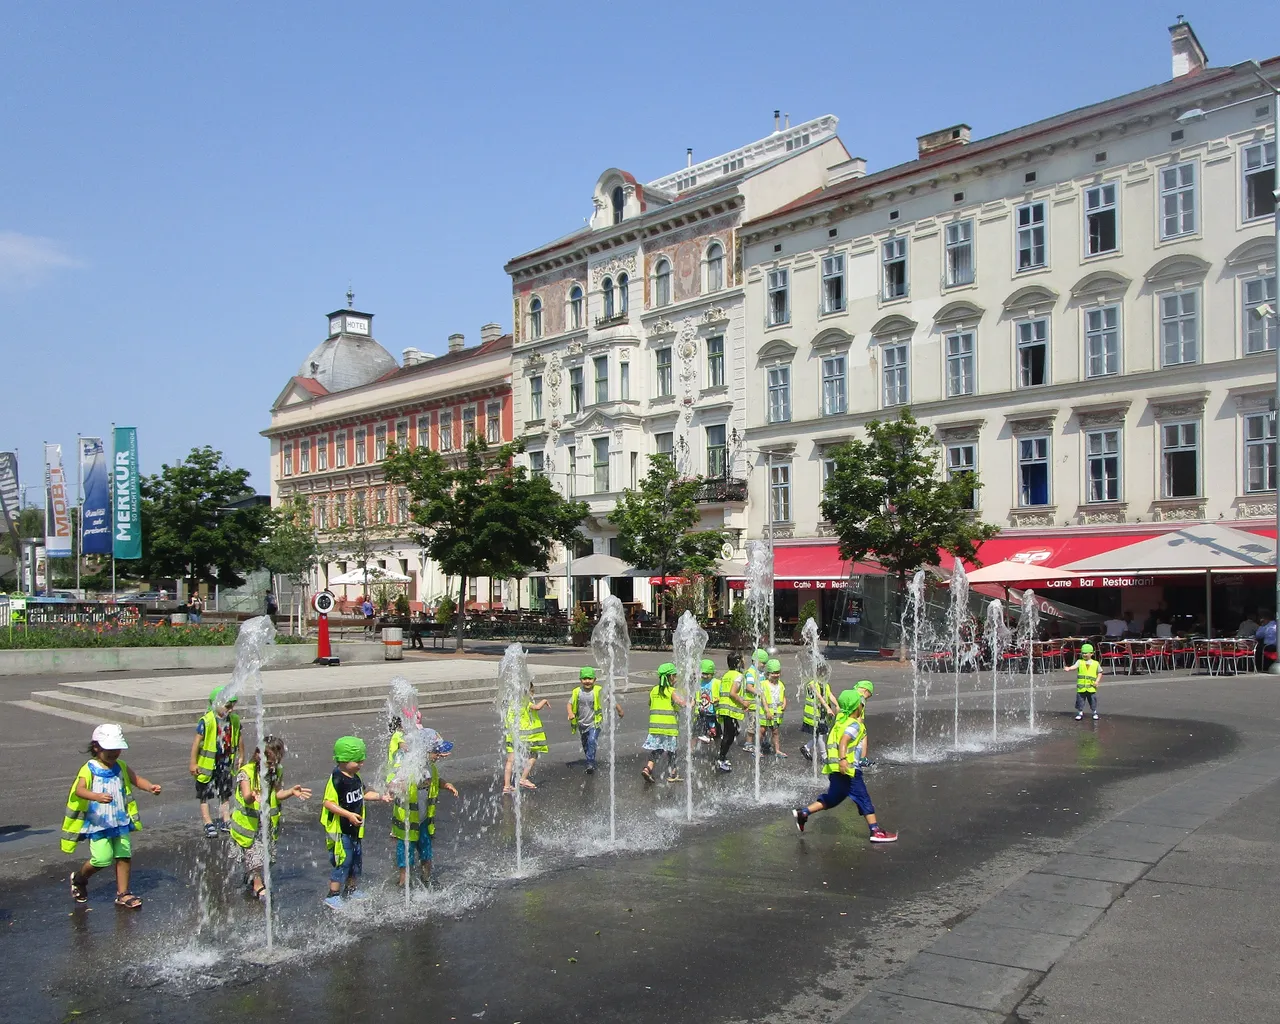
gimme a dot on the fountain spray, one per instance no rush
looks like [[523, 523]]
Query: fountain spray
[[406, 766], [915, 605], [611, 647], [997, 635], [759, 592], [688, 643], [957, 618], [810, 662], [1028, 627], [513, 686]]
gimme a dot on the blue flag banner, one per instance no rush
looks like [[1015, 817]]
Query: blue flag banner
[[95, 516], [126, 519]]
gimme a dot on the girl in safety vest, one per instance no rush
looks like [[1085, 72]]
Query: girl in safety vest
[[216, 752], [246, 814], [529, 735], [101, 809], [407, 816], [845, 743], [752, 687], [1088, 672], [819, 709], [708, 696], [664, 725], [773, 705], [730, 708]]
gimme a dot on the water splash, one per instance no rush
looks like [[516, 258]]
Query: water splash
[[957, 627], [411, 763], [759, 598], [915, 628], [997, 639], [1028, 631], [611, 648], [514, 680], [688, 643], [813, 670]]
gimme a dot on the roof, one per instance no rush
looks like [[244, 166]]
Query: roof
[[346, 361], [312, 385], [448, 359]]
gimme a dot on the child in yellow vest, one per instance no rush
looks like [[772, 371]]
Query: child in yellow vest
[[1088, 672], [586, 714], [101, 809], [343, 819], [216, 752], [533, 738], [664, 723], [246, 809], [773, 705]]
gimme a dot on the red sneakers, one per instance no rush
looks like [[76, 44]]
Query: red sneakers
[[879, 835]]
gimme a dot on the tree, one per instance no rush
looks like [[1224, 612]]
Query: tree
[[354, 538], [657, 525], [886, 496], [190, 529], [291, 549], [484, 516], [30, 527]]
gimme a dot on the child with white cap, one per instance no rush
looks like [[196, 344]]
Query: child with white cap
[[101, 809]]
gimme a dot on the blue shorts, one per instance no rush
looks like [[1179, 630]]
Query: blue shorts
[[353, 866], [419, 852], [840, 786]]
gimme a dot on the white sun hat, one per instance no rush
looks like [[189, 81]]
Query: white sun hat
[[110, 737]]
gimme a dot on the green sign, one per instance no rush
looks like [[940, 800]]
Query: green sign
[[126, 512]]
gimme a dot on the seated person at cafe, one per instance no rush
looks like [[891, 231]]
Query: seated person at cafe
[[1266, 637], [1116, 628], [1164, 623], [1248, 628]]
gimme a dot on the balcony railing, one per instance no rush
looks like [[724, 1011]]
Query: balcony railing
[[722, 489]]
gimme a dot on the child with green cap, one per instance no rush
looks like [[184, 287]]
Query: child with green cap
[[845, 740], [753, 683], [819, 709], [342, 818], [586, 714], [1088, 671], [708, 695], [216, 752], [773, 705], [664, 724]]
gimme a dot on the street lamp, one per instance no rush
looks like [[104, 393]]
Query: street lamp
[[736, 440], [1265, 310]]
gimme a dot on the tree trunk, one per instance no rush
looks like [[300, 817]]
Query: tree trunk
[[462, 611]]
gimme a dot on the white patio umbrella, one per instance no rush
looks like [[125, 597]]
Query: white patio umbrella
[[1007, 572], [373, 574]]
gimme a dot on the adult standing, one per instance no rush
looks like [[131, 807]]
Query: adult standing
[[195, 606], [1266, 641], [366, 609]]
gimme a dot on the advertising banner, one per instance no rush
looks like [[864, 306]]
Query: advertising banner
[[95, 514], [126, 518], [9, 498], [57, 509]]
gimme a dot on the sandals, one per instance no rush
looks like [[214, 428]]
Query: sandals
[[79, 890], [527, 784], [128, 900]]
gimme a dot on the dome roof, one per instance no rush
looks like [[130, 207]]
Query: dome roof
[[347, 361]]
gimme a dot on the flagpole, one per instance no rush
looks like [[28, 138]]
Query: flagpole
[[111, 505], [78, 538]]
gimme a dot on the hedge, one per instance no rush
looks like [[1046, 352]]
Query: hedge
[[160, 634]]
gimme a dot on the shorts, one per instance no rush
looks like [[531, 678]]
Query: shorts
[[219, 787], [353, 866], [251, 857], [105, 852], [840, 786], [655, 743], [419, 852]]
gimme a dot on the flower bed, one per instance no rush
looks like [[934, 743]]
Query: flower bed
[[160, 634]]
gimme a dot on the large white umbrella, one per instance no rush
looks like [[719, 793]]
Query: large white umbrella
[[1189, 550], [589, 565], [373, 574], [1017, 572]]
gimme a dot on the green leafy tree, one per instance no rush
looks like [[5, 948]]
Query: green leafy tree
[[483, 515], [658, 525], [357, 538], [190, 529], [30, 527], [886, 496], [291, 549]]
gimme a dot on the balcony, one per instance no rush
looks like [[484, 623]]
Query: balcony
[[720, 490], [612, 321]]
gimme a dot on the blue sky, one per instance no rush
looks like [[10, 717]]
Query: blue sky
[[187, 189]]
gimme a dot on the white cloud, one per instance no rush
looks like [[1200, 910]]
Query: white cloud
[[27, 260]]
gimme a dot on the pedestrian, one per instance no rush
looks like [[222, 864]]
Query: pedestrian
[[773, 705], [342, 819], [533, 739], [752, 687], [271, 605], [406, 824], [217, 750], [262, 772], [195, 606], [1265, 637], [730, 708], [588, 724], [101, 809], [819, 710], [1088, 672], [708, 695], [664, 726], [846, 742], [366, 609]]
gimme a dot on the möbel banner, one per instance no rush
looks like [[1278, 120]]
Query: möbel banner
[[57, 510]]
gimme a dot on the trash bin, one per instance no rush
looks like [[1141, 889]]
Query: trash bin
[[393, 643]]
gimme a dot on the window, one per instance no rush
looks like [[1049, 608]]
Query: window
[[832, 284], [666, 384], [715, 362], [961, 372], [322, 453], [473, 590], [1179, 328], [1260, 452], [1259, 180], [894, 263], [717, 451], [1031, 236], [362, 435], [623, 285], [1102, 341], [340, 511], [575, 307], [321, 515], [601, 364], [1102, 463], [606, 292], [959, 253], [1033, 353], [962, 458], [1177, 200], [287, 451], [834, 390], [828, 468], [359, 507], [1181, 450], [600, 463], [662, 283], [618, 198], [304, 456], [1260, 332], [779, 394], [715, 267], [1100, 219], [380, 508], [535, 397], [635, 470], [402, 435], [535, 317], [1033, 471], [571, 480], [664, 444], [468, 424], [779, 305], [624, 381], [402, 507], [379, 443], [340, 451], [895, 381], [780, 492], [537, 463], [493, 423], [446, 431], [424, 431], [576, 392]]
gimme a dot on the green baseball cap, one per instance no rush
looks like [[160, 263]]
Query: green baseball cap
[[1086, 648], [213, 697], [849, 701], [587, 673], [866, 686], [666, 669], [348, 748], [708, 667], [761, 654], [774, 665]]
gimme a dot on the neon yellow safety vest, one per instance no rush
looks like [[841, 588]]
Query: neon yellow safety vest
[[842, 722], [532, 735], [771, 697], [74, 824], [724, 704], [246, 820], [1086, 676], [332, 825], [207, 757], [597, 716], [406, 815], [662, 713], [813, 714]]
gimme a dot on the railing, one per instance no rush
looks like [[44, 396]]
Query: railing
[[64, 613], [722, 489]]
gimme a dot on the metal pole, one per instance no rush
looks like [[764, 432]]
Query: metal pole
[[78, 539], [1275, 319], [773, 583]]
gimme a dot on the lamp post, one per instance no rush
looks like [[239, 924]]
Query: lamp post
[[736, 449]]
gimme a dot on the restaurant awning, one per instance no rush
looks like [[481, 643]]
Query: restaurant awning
[[811, 567], [1192, 549], [1024, 573]]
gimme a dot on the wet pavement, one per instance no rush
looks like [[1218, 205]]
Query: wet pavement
[[732, 917]]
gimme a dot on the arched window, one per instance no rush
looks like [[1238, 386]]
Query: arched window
[[619, 199], [575, 307], [606, 290], [715, 267], [535, 317], [662, 283], [622, 294]]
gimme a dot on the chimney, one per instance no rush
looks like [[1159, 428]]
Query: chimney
[[688, 157], [945, 138], [786, 122], [1189, 57], [777, 120], [854, 167], [412, 357], [490, 332], [457, 342]]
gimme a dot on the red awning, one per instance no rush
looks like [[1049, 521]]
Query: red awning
[[667, 581], [811, 567]]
